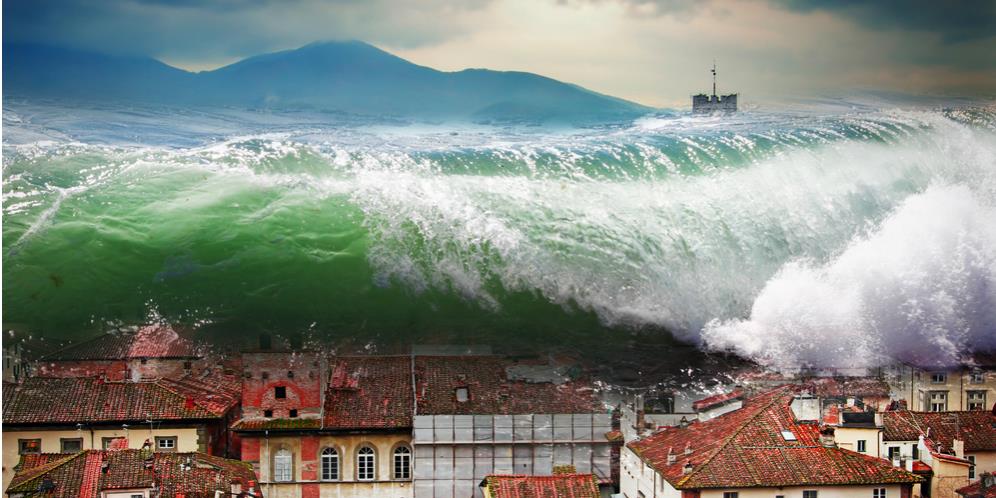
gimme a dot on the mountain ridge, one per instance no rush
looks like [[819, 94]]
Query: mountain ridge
[[351, 76]]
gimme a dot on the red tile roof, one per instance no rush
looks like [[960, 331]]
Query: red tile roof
[[976, 428], [87, 473], [976, 489], [369, 392], [151, 341], [717, 399], [41, 400], [216, 393], [490, 391], [843, 387], [555, 486], [746, 448]]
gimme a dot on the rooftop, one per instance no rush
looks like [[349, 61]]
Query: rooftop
[[468, 385], [717, 400], [369, 392], [843, 387], [759, 445], [87, 473], [40, 400], [555, 486], [150, 341], [976, 428], [985, 487]]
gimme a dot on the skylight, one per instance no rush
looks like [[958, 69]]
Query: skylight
[[788, 435]]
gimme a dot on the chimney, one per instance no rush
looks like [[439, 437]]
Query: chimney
[[959, 448], [827, 436], [641, 414], [805, 407], [687, 469], [683, 422], [988, 480], [671, 457]]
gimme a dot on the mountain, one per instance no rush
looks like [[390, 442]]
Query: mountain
[[352, 77]]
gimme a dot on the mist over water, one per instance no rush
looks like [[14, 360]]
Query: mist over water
[[833, 236]]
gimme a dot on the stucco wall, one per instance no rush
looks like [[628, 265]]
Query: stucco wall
[[307, 450], [985, 461], [859, 491], [848, 437], [50, 441]]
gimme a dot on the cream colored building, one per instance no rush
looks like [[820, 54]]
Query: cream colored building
[[68, 415], [958, 389]]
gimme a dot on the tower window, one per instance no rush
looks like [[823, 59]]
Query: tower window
[[280, 392]]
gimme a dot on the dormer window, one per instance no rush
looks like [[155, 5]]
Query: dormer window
[[462, 394]]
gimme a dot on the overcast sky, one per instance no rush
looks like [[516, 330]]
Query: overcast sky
[[656, 52]]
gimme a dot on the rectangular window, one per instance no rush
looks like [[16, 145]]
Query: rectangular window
[[28, 446], [938, 401], [283, 466], [809, 493], [916, 452], [280, 392], [731, 494], [106, 442], [166, 443], [71, 445], [978, 377], [862, 446], [976, 400], [894, 452], [878, 493], [971, 468], [938, 378]]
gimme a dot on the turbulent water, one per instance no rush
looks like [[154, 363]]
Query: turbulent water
[[834, 235]]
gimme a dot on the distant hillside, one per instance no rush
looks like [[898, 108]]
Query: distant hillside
[[352, 77]]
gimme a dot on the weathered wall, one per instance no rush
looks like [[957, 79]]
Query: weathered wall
[[306, 451], [299, 373]]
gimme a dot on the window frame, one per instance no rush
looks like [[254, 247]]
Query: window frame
[[277, 473], [894, 449], [167, 449], [334, 456], [878, 493], [22, 443], [731, 494], [938, 378], [279, 392], [64, 440], [943, 405], [404, 452], [810, 493], [977, 377], [363, 452], [106, 442], [980, 403], [971, 468], [862, 446]]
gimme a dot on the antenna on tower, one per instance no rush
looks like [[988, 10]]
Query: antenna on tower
[[714, 77]]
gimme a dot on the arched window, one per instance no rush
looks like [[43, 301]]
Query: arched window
[[402, 463], [283, 466], [330, 464], [366, 463]]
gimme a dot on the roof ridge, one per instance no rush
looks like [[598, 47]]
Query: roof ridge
[[734, 434], [70, 346]]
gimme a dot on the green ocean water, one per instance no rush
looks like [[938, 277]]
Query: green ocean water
[[667, 230]]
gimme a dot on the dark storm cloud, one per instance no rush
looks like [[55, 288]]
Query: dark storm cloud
[[954, 20], [198, 30]]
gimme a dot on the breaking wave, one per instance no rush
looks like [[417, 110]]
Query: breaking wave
[[823, 238]]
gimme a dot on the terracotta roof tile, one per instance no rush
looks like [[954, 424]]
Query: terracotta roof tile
[[490, 391], [555, 486], [40, 400], [151, 341], [976, 428], [215, 393], [369, 392], [83, 474], [746, 448], [976, 489]]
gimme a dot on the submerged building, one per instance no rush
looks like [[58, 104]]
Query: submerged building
[[703, 103]]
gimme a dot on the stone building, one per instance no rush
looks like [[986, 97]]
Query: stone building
[[342, 427]]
